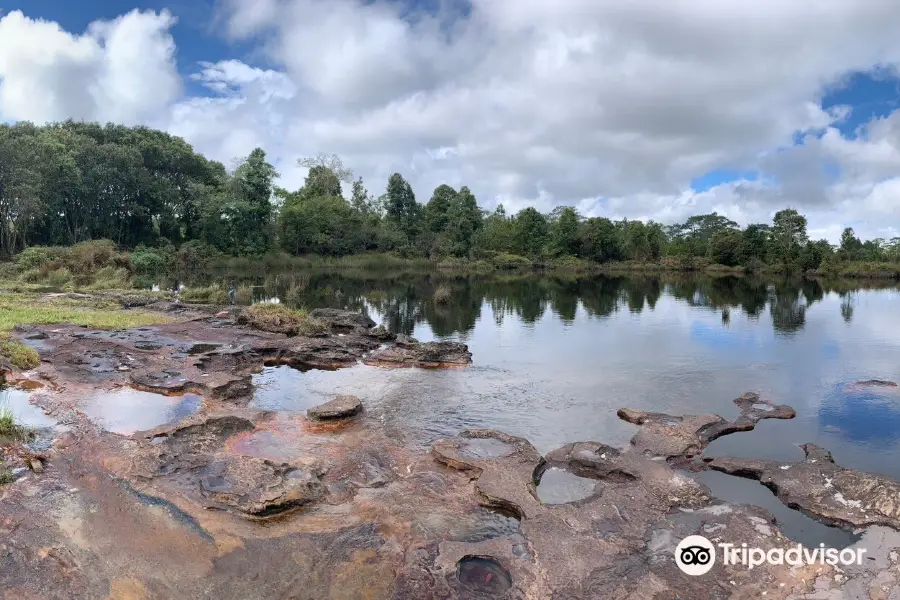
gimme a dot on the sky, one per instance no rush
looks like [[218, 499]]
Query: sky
[[657, 109]]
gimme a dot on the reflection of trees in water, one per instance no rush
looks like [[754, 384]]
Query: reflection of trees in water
[[407, 300], [848, 302]]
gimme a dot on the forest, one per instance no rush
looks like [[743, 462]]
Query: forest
[[149, 192]]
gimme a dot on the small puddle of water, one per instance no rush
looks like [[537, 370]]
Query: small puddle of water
[[484, 575], [559, 486], [126, 411], [25, 413], [480, 448], [792, 523]]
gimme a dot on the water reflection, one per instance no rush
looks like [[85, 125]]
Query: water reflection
[[863, 414], [406, 301], [554, 357]]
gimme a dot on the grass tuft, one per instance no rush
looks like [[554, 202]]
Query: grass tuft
[[278, 318], [10, 429], [20, 355], [443, 294]]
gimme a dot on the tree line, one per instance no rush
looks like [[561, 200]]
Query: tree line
[[69, 182]]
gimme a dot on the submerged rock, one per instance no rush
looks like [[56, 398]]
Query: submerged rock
[[339, 408], [409, 352]]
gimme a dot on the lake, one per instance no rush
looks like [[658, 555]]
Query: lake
[[553, 358]]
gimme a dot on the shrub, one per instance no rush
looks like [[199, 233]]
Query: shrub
[[40, 256], [147, 261], [243, 295], [510, 261], [87, 257]]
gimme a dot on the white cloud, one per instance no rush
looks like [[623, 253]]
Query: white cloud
[[120, 70], [524, 101]]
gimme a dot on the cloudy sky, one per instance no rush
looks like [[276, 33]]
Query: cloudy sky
[[653, 109]]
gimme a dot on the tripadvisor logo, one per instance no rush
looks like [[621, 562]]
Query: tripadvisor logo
[[696, 555]]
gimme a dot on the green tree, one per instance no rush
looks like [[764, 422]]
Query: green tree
[[531, 230], [402, 208], [788, 236], [463, 221], [437, 208], [601, 240], [564, 232], [725, 247]]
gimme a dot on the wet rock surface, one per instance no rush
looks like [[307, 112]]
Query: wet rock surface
[[409, 352], [238, 503], [821, 488], [341, 407]]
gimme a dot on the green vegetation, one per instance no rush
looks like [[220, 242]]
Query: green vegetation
[[22, 309], [443, 294], [67, 189], [10, 430], [279, 318], [18, 354]]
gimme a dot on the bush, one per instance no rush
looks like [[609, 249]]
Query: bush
[[510, 261], [37, 257], [146, 261], [86, 258]]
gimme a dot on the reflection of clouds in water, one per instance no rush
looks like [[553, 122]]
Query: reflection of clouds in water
[[863, 414]]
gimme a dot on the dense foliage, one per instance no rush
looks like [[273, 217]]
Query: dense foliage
[[70, 182]]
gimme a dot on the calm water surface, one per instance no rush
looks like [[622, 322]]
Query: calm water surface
[[554, 359]]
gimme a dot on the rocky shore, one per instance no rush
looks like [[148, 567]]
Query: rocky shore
[[231, 502]]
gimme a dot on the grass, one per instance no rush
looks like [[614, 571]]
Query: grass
[[20, 355], [278, 318], [443, 294], [10, 429], [213, 294], [97, 313]]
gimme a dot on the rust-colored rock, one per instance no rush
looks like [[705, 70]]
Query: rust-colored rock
[[341, 407]]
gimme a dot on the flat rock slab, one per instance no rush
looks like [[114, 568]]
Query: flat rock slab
[[671, 436], [823, 489], [341, 407]]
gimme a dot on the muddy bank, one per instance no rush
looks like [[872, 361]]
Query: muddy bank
[[225, 501]]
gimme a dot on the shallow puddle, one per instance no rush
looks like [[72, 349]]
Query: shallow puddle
[[25, 413], [480, 448], [792, 523], [126, 411], [484, 575], [559, 486]]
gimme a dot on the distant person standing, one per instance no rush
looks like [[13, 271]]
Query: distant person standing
[[231, 292]]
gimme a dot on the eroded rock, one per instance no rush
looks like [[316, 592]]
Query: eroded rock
[[671, 436], [409, 352], [823, 489], [341, 407], [262, 488], [343, 321]]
